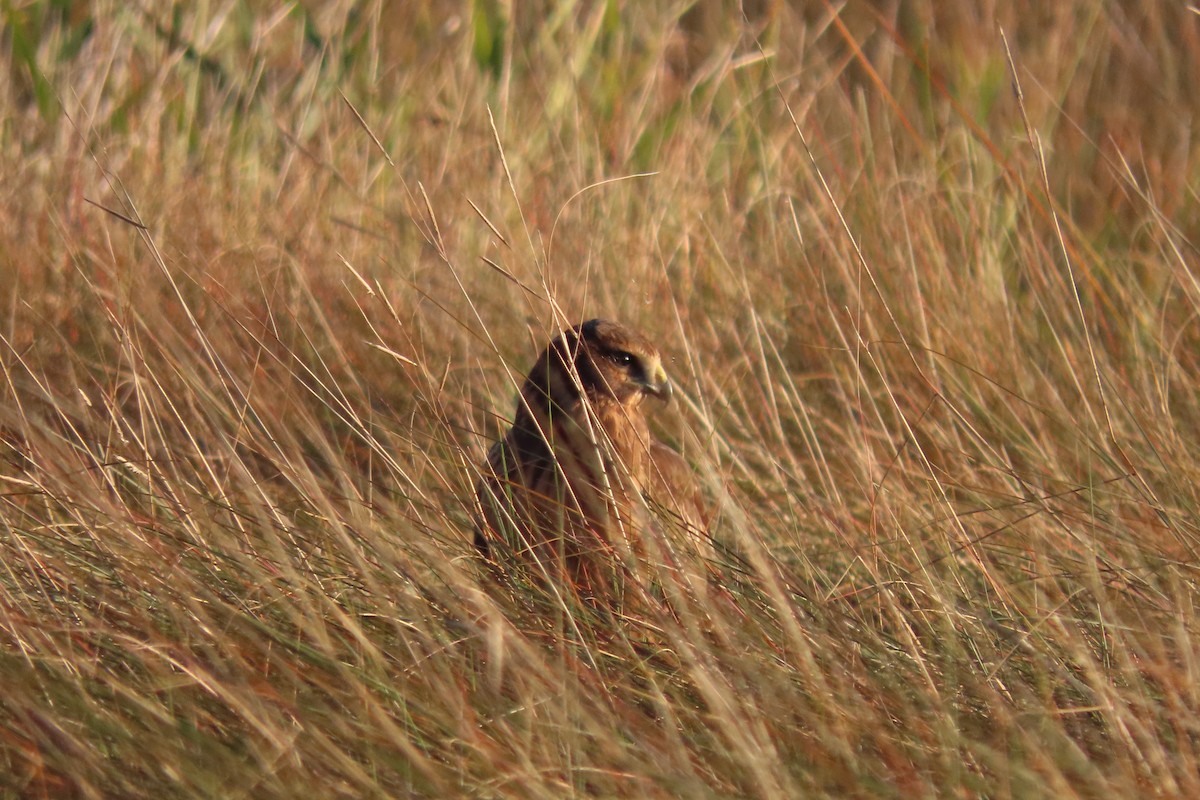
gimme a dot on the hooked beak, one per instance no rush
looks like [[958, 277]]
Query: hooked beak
[[658, 384]]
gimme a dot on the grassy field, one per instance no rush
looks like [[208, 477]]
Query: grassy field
[[925, 276]]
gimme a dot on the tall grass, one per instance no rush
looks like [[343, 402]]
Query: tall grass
[[925, 277]]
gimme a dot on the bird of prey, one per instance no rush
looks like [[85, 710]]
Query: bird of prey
[[578, 492]]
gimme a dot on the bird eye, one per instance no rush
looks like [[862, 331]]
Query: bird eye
[[622, 358]]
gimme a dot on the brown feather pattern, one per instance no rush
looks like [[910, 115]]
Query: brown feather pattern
[[567, 492]]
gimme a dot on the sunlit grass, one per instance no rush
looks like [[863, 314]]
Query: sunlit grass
[[268, 281]]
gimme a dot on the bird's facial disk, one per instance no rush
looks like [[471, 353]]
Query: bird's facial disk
[[643, 374]]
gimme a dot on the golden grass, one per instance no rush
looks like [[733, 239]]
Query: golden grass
[[267, 281]]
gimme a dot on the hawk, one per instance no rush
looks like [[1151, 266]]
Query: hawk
[[578, 491]]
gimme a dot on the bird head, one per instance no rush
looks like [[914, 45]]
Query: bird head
[[610, 360]]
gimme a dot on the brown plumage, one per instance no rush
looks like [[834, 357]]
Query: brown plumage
[[578, 491]]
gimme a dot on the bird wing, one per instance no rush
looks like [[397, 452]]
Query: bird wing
[[673, 487], [685, 518]]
